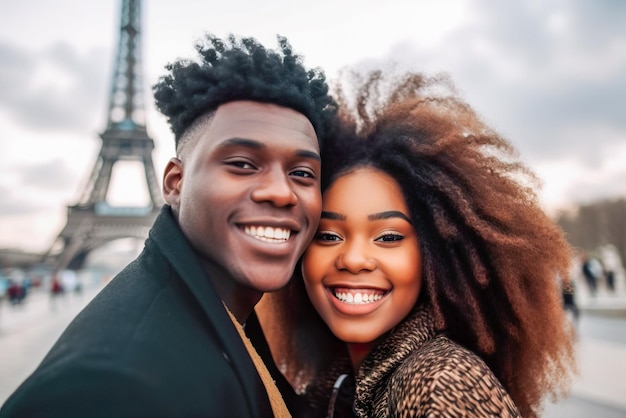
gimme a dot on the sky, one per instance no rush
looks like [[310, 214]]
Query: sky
[[548, 75]]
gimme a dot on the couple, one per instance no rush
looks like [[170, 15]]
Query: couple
[[429, 274]]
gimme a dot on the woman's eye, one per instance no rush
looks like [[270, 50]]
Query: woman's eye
[[390, 237], [327, 237]]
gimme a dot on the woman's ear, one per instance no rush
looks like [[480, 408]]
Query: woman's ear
[[173, 181]]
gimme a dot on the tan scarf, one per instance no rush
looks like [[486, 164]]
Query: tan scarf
[[276, 399]]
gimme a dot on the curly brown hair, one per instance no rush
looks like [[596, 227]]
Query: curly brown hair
[[491, 256]]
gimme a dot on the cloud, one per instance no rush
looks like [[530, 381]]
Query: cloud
[[16, 204], [570, 67], [550, 76], [53, 89], [586, 192], [33, 187], [53, 176]]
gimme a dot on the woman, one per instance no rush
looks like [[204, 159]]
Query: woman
[[433, 262]]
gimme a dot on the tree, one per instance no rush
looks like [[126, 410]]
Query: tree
[[596, 224]]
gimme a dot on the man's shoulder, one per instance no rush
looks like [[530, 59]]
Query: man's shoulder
[[122, 318], [141, 348], [86, 388]]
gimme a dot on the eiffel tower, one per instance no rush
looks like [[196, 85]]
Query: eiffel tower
[[93, 222]]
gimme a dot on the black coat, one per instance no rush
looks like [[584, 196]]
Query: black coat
[[155, 342]]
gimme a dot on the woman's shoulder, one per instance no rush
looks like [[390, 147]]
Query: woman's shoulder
[[443, 354], [445, 376], [441, 359]]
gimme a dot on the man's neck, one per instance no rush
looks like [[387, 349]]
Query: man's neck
[[240, 300]]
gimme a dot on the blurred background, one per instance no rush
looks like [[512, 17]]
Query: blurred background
[[548, 75]]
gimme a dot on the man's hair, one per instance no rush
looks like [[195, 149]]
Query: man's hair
[[242, 69]]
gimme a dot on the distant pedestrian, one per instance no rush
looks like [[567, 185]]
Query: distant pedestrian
[[56, 291], [568, 291], [590, 275], [610, 280], [56, 288], [15, 292], [4, 286]]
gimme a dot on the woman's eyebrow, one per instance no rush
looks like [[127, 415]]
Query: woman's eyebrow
[[373, 217], [389, 214], [333, 216]]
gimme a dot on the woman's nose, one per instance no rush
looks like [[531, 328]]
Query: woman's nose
[[355, 259]]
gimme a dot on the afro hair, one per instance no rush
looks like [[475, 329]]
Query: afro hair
[[242, 69]]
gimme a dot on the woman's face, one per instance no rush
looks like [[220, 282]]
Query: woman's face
[[363, 269]]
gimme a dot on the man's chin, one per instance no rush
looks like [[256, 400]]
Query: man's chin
[[269, 282]]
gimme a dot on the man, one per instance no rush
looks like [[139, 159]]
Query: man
[[243, 202]]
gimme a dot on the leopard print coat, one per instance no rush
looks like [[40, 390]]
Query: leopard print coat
[[415, 372]]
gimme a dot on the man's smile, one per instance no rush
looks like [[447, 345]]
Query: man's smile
[[268, 233]]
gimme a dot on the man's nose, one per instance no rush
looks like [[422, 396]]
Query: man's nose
[[275, 187]]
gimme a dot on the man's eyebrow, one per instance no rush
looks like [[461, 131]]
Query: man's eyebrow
[[308, 154], [333, 216], [254, 144], [245, 142], [389, 214]]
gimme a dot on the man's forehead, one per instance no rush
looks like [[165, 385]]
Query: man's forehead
[[261, 122], [251, 111]]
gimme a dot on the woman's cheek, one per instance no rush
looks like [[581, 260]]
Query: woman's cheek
[[314, 263]]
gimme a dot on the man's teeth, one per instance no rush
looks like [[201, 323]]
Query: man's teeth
[[358, 298], [268, 233]]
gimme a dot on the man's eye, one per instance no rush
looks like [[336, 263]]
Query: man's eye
[[302, 173], [390, 237], [327, 237], [241, 164]]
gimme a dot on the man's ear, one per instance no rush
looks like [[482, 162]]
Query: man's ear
[[173, 181]]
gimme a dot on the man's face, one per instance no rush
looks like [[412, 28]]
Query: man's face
[[247, 193]]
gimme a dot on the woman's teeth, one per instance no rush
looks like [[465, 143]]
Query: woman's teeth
[[358, 298]]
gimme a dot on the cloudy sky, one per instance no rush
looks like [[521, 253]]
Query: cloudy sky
[[550, 75]]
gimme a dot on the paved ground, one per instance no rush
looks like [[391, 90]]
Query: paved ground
[[599, 391], [27, 332]]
